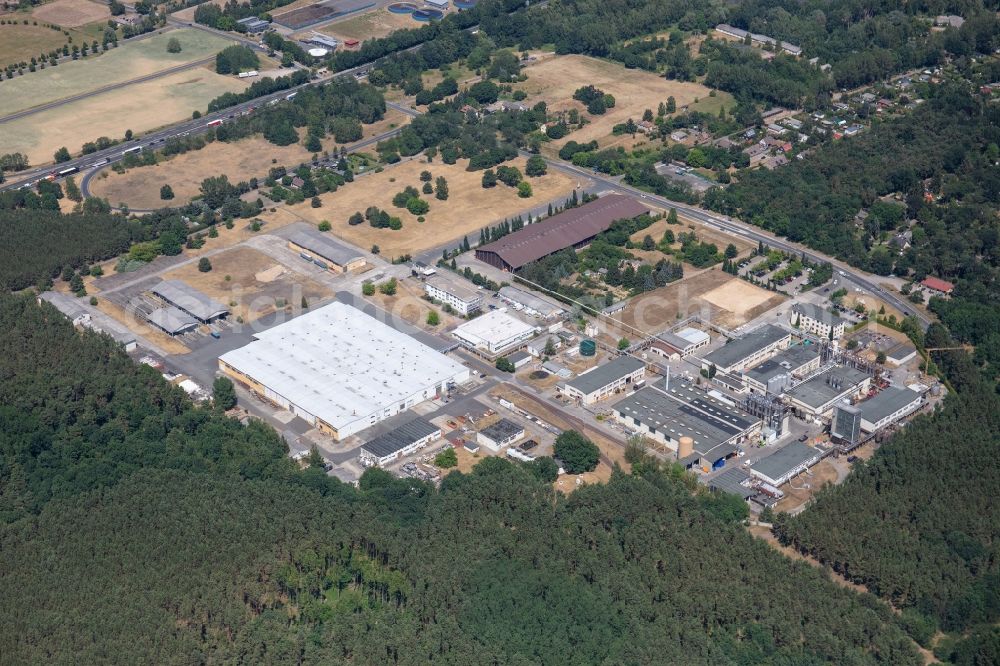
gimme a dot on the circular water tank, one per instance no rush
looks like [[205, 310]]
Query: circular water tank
[[685, 447], [588, 348], [318, 52]]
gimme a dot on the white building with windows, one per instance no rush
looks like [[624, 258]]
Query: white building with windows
[[462, 299], [495, 332], [816, 320]]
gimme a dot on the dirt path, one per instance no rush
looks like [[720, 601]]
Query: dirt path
[[765, 534]]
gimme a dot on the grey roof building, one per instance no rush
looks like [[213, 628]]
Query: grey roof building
[[887, 407], [753, 347], [681, 410], [529, 302], [606, 378], [73, 310], [817, 395], [778, 372], [785, 463], [500, 434], [731, 481], [398, 442], [342, 257], [171, 320], [190, 300]]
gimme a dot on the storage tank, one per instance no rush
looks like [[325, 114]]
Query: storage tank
[[588, 348], [685, 447]]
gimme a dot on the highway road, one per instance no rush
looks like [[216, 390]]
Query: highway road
[[861, 279], [94, 161]]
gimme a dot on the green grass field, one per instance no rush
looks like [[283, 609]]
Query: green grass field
[[711, 105], [130, 60]]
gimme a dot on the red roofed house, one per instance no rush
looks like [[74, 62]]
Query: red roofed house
[[938, 285]]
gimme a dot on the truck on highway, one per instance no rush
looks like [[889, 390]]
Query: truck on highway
[[67, 171], [291, 95], [134, 149], [214, 123]]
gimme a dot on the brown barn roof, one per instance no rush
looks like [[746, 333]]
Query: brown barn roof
[[563, 230]]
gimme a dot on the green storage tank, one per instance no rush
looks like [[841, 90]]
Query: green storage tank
[[588, 348]]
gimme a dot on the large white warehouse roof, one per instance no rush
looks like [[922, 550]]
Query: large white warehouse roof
[[342, 365]]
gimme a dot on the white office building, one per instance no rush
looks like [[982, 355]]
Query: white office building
[[495, 332], [462, 299]]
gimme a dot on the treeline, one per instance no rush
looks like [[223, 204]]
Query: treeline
[[260, 88], [137, 527]]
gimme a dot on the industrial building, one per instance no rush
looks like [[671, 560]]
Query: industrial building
[[494, 332], [408, 438], [683, 342], [325, 252], [519, 359], [779, 372], [758, 39], [605, 380], [462, 299], [785, 463], [537, 346], [703, 430], [741, 353], [323, 41], [190, 300], [437, 4], [171, 320], [845, 424], [98, 322], [341, 370], [817, 321], [574, 228], [900, 354], [528, 303], [816, 396], [254, 25], [502, 433], [888, 406]]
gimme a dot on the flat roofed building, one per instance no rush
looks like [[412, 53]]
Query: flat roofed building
[[190, 300], [537, 346], [888, 406], [816, 320], [816, 396], [745, 352], [520, 358], [685, 341], [785, 463], [902, 353], [845, 424], [99, 322], [171, 320], [529, 303], [408, 438], [341, 370], [500, 434], [605, 380], [778, 372], [733, 481], [461, 298], [574, 227], [680, 410], [494, 332], [325, 252]]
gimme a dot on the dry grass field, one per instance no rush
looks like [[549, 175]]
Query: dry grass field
[[409, 305], [256, 288], [141, 107], [240, 160], [468, 209], [555, 78], [710, 294], [22, 42], [371, 25], [704, 233], [71, 13], [129, 61], [151, 333]]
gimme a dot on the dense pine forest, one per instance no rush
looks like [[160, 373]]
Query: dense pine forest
[[138, 528]]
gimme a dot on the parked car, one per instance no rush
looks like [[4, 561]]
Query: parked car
[[851, 459]]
